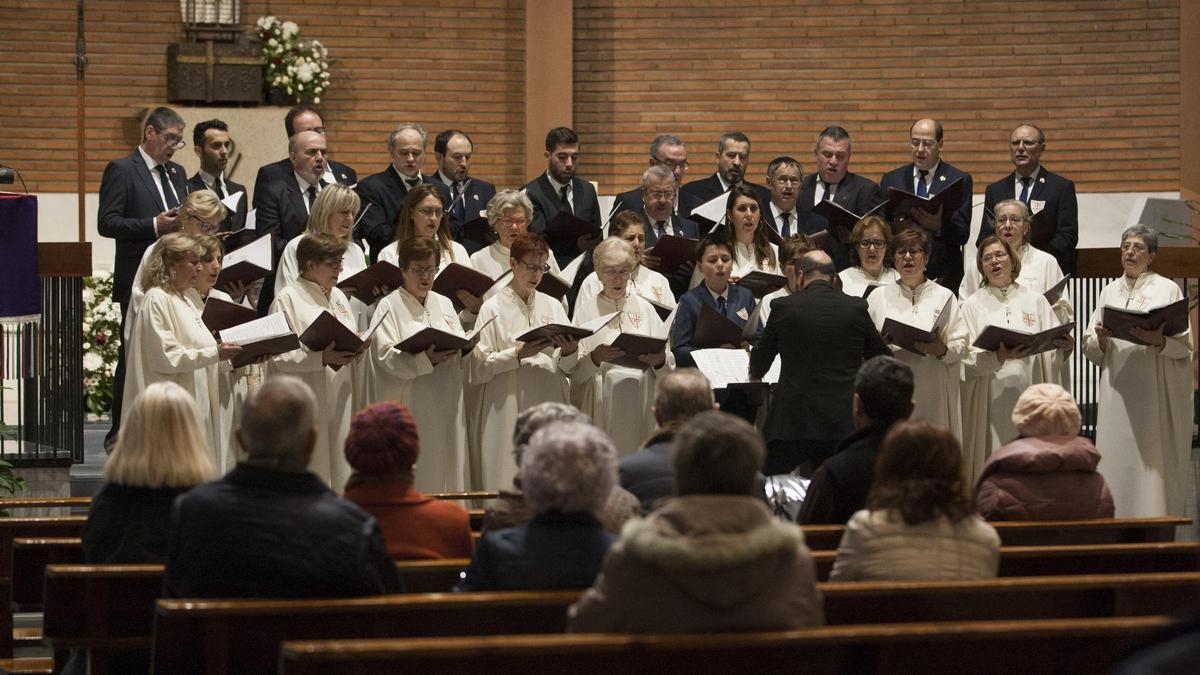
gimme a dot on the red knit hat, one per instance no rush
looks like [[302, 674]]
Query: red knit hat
[[383, 440]]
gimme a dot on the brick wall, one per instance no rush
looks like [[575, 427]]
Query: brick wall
[[1100, 77], [439, 63]]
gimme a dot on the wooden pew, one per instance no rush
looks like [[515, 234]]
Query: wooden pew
[[10, 503], [1001, 647], [221, 636], [30, 558], [25, 528]]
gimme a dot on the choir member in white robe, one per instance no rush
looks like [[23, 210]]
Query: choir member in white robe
[[1039, 272], [920, 302], [169, 341], [422, 214], [789, 252], [515, 375], [992, 381], [869, 244], [1144, 425], [752, 250], [618, 398], [628, 226], [428, 383], [313, 292]]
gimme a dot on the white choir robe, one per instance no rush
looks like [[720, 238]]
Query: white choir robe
[[936, 383], [433, 394], [169, 342], [855, 279], [1039, 272], [1144, 425], [233, 387], [765, 312], [509, 385], [302, 302], [136, 295], [644, 282], [745, 261], [990, 389], [618, 398], [458, 254]]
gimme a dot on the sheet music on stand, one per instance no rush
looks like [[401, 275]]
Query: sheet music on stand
[[725, 367]]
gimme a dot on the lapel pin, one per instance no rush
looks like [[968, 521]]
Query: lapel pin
[[1042, 179], [475, 197], [942, 178]]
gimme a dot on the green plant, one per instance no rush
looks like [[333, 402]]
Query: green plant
[[101, 331]]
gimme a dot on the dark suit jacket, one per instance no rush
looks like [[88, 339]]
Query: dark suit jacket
[[234, 220], [632, 200], [706, 189], [805, 221], [823, 336], [546, 206], [648, 473], [1061, 214], [385, 191], [283, 168], [475, 198], [946, 260], [839, 487], [689, 310], [855, 193], [129, 201]]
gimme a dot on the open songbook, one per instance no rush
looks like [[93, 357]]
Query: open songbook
[[249, 263], [457, 277], [901, 203], [992, 336], [730, 367], [566, 227], [906, 336], [842, 220], [232, 241], [220, 314], [382, 275], [711, 212], [714, 330], [1055, 292], [268, 336], [578, 332], [441, 340], [672, 252], [762, 283], [1121, 321], [326, 330]]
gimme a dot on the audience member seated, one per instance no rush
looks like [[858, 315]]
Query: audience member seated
[[883, 395], [678, 397], [510, 509], [1049, 471], [382, 449], [711, 559], [270, 527], [920, 521], [567, 473]]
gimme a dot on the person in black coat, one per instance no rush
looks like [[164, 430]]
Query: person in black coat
[[567, 471], [670, 152], [303, 117], [733, 158], [270, 528], [1049, 196], [883, 392], [559, 189], [928, 175], [212, 144], [139, 195], [822, 336], [834, 181], [469, 196]]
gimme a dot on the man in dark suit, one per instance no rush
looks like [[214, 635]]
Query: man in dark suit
[[303, 117], [559, 189], [834, 181], [668, 151], [385, 191], [469, 196], [784, 176], [657, 199], [284, 204], [212, 144], [733, 158], [1049, 196], [928, 175], [139, 195], [822, 336]]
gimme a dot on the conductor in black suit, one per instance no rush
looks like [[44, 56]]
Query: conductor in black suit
[[385, 191], [559, 189], [1049, 196], [670, 152], [212, 145], [833, 181], [822, 336], [928, 175], [139, 194], [303, 117], [733, 158], [469, 196]]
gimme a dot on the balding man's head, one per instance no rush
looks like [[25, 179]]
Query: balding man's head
[[277, 427], [680, 395], [309, 153], [815, 265]]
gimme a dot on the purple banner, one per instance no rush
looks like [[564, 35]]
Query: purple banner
[[20, 292]]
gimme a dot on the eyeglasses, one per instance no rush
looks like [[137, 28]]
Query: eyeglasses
[[872, 243], [335, 264], [670, 163], [617, 273], [429, 212], [661, 194], [910, 253], [787, 180], [1023, 143], [519, 222], [422, 271], [535, 269], [174, 142], [995, 257], [922, 143], [1015, 220]]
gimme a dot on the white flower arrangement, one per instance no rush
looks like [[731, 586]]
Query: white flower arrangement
[[298, 69], [101, 323]]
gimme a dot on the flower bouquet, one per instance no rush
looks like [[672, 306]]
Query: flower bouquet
[[294, 70]]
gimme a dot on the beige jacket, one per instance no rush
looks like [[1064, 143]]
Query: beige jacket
[[880, 546]]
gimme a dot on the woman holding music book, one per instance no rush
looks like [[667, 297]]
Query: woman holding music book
[[747, 232], [923, 304], [1039, 270], [1144, 429], [315, 292], [614, 387], [168, 340], [993, 381], [628, 226], [428, 383], [514, 375], [871, 262], [333, 213], [423, 215]]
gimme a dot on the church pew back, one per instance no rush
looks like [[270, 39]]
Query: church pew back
[[25, 528]]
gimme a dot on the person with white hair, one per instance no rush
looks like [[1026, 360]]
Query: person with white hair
[[567, 473]]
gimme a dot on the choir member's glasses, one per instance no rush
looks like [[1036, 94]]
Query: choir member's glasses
[[995, 257], [670, 163], [666, 195], [535, 269], [422, 271], [1015, 220], [617, 273], [788, 180], [520, 222], [910, 253], [872, 243], [922, 143], [431, 212], [174, 142]]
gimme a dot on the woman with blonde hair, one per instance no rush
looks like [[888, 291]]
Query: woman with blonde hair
[[333, 212], [870, 244], [168, 340]]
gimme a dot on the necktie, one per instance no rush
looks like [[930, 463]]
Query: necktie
[[168, 192], [660, 227], [410, 183], [828, 192], [922, 189], [721, 305], [566, 203], [787, 224], [312, 196], [218, 189], [1025, 181], [458, 207]]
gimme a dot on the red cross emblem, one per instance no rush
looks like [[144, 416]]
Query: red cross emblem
[[1027, 318]]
